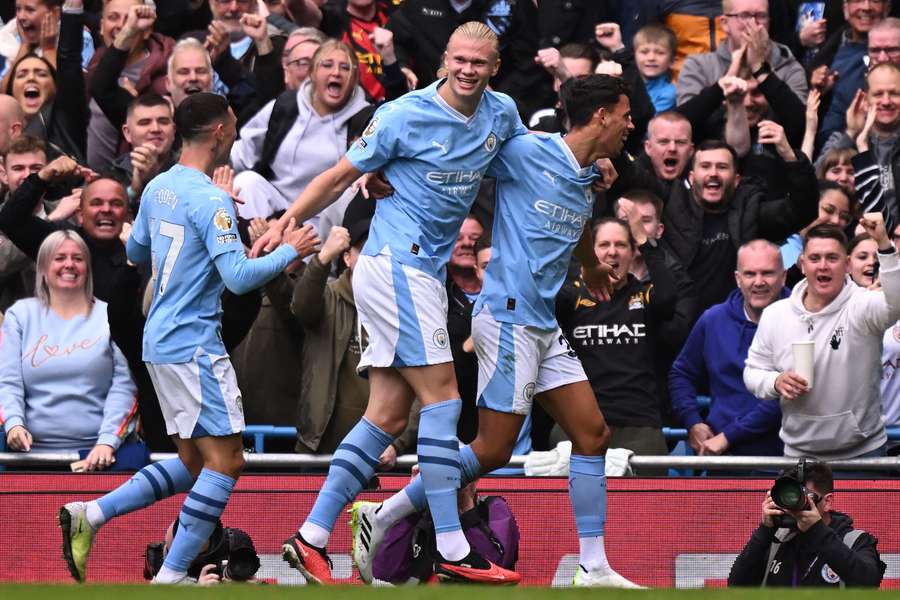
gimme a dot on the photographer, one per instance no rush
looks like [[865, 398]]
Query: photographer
[[228, 556], [810, 546]]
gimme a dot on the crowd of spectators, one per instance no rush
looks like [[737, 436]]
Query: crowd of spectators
[[741, 218]]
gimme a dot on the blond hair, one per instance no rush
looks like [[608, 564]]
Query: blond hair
[[49, 247], [476, 30], [656, 34], [333, 44]]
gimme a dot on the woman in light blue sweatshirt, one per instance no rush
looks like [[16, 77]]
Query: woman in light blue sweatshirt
[[64, 384]]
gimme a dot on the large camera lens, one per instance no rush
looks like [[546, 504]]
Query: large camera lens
[[789, 493], [242, 565]]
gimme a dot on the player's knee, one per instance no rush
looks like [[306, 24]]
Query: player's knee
[[439, 385], [230, 463], [193, 463], [492, 458], [603, 438], [191, 459], [500, 459], [234, 465], [391, 424], [238, 461], [593, 442]]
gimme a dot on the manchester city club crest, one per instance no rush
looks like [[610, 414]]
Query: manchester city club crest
[[635, 302], [491, 142], [829, 575], [528, 391], [440, 338]]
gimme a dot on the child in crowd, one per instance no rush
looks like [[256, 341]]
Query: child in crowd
[[654, 51]]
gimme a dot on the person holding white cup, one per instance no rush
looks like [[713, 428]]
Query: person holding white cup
[[841, 416], [804, 361]]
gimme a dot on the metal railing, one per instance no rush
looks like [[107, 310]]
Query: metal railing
[[260, 433], [321, 461]]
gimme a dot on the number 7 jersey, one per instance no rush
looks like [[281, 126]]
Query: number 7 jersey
[[187, 222]]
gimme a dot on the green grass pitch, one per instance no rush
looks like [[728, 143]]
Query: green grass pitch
[[270, 592]]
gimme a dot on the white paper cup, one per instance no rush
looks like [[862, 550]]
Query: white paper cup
[[804, 354]]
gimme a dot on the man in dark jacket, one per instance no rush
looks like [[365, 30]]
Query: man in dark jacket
[[712, 361], [823, 550], [705, 225], [102, 212]]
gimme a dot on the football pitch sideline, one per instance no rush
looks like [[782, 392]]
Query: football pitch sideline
[[271, 592]]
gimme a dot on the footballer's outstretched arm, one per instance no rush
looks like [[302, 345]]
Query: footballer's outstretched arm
[[241, 274], [319, 194]]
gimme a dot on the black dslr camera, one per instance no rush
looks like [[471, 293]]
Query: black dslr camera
[[242, 562], [230, 549], [789, 493]]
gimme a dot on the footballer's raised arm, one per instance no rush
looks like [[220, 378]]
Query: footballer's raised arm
[[319, 194]]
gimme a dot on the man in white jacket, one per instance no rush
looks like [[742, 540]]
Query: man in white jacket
[[840, 417]]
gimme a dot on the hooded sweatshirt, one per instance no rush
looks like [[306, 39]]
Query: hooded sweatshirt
[[314, 144], [713, 359], [841, 416]]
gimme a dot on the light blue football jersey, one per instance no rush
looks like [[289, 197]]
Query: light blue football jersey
[[544, 201], [187, 222], [434, 158]]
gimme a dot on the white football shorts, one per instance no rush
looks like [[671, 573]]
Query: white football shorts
[[515, 362], [404, 314], [199, 398]]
